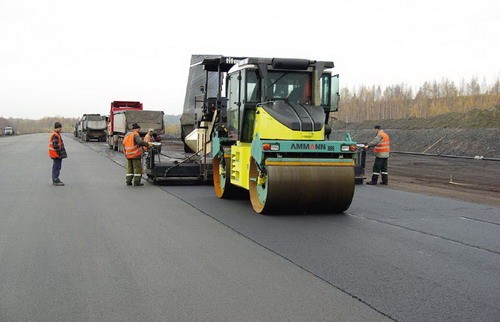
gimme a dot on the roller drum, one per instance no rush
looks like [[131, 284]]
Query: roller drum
[[314, 188]]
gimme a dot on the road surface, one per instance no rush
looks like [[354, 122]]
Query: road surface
[[98, 250]]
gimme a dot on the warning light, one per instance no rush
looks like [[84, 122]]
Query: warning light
[[270, 147]]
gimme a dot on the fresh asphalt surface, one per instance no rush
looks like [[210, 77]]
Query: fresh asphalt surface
[[98, 250]]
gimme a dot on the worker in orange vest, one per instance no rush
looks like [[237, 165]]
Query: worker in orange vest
[[132, 144], [57, 152], [382, 144], [150, 136]]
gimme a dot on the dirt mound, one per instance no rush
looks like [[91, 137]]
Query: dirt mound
[[471, 134], [488, 118]]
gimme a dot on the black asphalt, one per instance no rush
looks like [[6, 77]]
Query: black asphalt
[[97, 250], [409, 256]]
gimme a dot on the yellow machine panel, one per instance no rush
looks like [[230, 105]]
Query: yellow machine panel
[[240, 164], [269, 128]]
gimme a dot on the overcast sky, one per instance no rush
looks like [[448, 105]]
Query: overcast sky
[[66, 58]]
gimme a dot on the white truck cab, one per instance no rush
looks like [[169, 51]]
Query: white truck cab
[[8, 130]]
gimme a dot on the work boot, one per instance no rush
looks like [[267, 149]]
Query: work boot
[[137, 180], [58, 182], [374, 180], [385, 179]]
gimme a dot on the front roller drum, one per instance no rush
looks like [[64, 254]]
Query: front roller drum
[[304, 188]]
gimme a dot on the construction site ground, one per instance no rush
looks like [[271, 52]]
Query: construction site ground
[[470, 180]]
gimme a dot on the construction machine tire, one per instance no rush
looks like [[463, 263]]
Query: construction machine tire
[[222, 179], [304, 188]]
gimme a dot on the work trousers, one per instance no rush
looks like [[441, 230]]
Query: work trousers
[[380, 166], [56, 169], [134, 170]]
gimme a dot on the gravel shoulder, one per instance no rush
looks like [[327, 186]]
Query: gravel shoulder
[[476, 181]]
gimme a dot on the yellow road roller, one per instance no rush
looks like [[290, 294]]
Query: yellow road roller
[[268, 135], [261, 125]]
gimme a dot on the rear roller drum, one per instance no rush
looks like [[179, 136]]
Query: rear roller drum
[[222, 178]]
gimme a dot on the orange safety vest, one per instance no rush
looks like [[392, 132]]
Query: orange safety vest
[[132, 150], [384, 145], [53, 153]]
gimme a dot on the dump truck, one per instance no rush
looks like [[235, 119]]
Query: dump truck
[[265, 130], [123, 120], [118, 106], [92, 127]]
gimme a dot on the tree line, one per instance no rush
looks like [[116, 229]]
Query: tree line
[[46, 124], [401, 101]]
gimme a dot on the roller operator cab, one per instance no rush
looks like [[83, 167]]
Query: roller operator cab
[[270, 137]]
